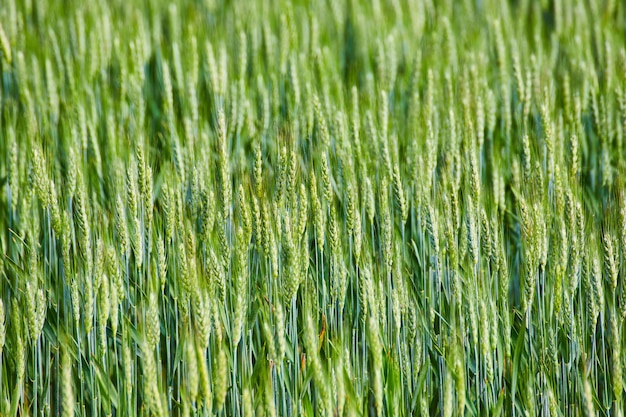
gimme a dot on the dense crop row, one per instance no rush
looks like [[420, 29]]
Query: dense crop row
[[408, 207]]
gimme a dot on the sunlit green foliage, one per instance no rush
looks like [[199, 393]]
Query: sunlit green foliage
[[405, 207]]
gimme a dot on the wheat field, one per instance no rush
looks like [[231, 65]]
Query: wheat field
[[326, 208]]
